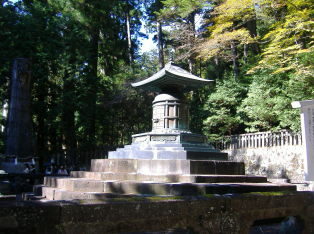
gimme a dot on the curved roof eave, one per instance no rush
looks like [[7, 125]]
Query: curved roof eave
[[156, 76], [171, 75]]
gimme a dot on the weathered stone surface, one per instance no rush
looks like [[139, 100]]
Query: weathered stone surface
[[216, 214], [104, 175], [145, 166], [48, 193], [157, 177], [82, 189], [274, 162], [28, 218], [184, 178], [217, 167]]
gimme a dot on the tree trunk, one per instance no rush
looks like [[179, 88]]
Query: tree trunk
[[217, 67], [19, 128], [160, 46], [93, 84], [235, 62], [128, 28], [216, 60], [191, 40], [42, 116], [200, 71], [252, 27], [68, 104], [245, 52], [91, 90]]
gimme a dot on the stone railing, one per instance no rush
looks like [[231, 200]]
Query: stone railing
[[259, 140]]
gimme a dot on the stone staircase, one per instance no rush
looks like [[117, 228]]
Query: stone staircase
[[143, 177]]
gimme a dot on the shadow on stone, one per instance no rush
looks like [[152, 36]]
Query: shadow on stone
[[283, 225]]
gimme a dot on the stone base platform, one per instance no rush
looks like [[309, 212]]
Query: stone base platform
[[278, 212], [120, 177]]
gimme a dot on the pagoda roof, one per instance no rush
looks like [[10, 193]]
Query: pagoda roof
[[171, 77]]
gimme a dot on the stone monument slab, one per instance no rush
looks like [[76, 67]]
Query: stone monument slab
[[307, 125]]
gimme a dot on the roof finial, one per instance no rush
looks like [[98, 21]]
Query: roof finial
[[170, 63]]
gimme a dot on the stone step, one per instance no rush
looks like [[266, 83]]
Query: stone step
[[184, 154], [150, 147], [167, 148], [148, 154], [165, 166], [76, 184], [168, 145], [149, 187], [169, 177], [104, 175], [59, 194], [160, 189], [31, 196], [186, 189]]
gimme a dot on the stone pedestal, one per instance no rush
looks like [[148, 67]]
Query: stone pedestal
[[307, 124]]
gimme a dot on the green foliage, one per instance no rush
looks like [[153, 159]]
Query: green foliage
[[81, 95], [268, 105], [289, 38], [180, 9], [181, 31], [264, 102], [228, 26], [278, 71], [221, 108], [285, 71]]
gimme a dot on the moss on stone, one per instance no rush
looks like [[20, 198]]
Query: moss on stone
[[281, 193], [130, 199]]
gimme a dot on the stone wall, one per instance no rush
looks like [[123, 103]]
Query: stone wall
[[225, 214], [277, 155], [286, 162]]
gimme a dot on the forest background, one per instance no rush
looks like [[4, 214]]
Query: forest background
[[85, 54]]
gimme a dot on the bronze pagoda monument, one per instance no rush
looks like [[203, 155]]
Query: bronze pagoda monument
[[170, 137]]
